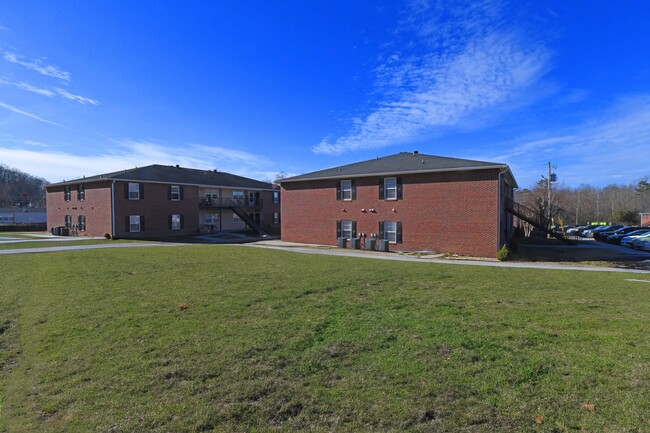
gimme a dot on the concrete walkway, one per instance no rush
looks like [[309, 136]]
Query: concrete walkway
[[85, 247], [433, 258]]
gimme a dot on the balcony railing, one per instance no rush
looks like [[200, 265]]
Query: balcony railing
[[226, 202]]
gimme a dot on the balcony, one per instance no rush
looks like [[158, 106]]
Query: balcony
[[229, 203]]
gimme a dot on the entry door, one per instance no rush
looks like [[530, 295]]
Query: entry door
[[251, 199]]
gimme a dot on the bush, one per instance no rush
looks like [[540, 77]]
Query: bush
[[503, 254], [107, 236]]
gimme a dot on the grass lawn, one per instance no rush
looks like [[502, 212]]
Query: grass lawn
[[58, 243], [279, 341]]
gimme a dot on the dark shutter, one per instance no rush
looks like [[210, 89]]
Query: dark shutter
[[338, 190], [381, 189], [126, 190], [141, 223], [169, 192], [381, 230], [353, 184], [354, 229], [338, 229], [141, 191], [128, 224], [182, 221], [399, 188], [169, 222], [180, 192], [399, 232]]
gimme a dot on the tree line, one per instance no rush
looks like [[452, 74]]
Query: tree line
[[20, 189], [586, 203]]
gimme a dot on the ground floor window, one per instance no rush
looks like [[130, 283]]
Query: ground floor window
[[235, 218], [82, 223], [211, 218], [68, 221], [175, 221], [134, 223], [276, 217], [391, 231], [346, 229]]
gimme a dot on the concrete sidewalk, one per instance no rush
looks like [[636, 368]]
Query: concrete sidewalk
[[432, 258], [84, 247]]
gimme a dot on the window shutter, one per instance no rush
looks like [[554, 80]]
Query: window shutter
[[338, 190], [169, 221], [381, 189], [353, 183], [141, 223], [182, 221], [399, 188], [180, 188], [381, 233], [141, 191], [338, 229], [169, 192], [126, 190], [399, 232], [354, 229], [128, 224]]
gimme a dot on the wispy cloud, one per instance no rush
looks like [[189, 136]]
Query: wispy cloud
[[30, 115], [80, 99], [58, 165], [470, 63], [38, 66], [607, 148]]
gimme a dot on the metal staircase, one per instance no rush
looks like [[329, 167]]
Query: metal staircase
[[243, 212], [531, 217]]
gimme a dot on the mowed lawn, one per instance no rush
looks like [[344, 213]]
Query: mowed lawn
[[97, 340]]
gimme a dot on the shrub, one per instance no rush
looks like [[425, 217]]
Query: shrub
[[503, 254], [107, 236]]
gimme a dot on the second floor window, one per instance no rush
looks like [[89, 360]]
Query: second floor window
[[81, 192], [134, 191], [66, 193], [175, 193], [276, 196], [390, 188], [346, 190]]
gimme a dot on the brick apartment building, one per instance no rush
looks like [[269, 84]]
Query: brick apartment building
[[158, 201], [417, 202]]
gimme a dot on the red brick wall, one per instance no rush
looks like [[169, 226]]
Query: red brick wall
[[96, 207], [453, 212], [645, 219], [156, 207]]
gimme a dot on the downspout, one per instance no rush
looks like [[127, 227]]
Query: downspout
[[113, 209], [500, 210]]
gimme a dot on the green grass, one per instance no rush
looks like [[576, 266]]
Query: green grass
[[58, 243], [279, 341]]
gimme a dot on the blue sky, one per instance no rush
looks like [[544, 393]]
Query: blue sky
[[259, 87]]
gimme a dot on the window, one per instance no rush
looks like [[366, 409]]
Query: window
[[390, 188], [68, 221], [276, 196], [346, 190], [82, 223], [134, 223], [211, 218], [81, 192], [175, 222], [235, 218], [276, 217], [346, 229], [134, 191], [391, 230], [238, 195], [66, 193], [175, 193]]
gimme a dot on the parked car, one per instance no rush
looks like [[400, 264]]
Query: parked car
[[629, 241], [602, 236], [618, 237], [592, 232], [579, 231], [643, 245]]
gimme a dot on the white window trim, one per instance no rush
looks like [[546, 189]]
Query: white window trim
[[346, 185], [393, 188], [137, 191], [345, 229], [134, 220], [276, 217], [391, 235], [176, 221], [176, 193]]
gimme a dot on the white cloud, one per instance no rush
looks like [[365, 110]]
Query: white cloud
[[606, 149], [38, 66], [30, 115], [28, 87], [58, 165], [470, 65], [80, 99]]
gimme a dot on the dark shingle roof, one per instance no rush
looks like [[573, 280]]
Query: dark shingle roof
[[177, 175], [401, 163]]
